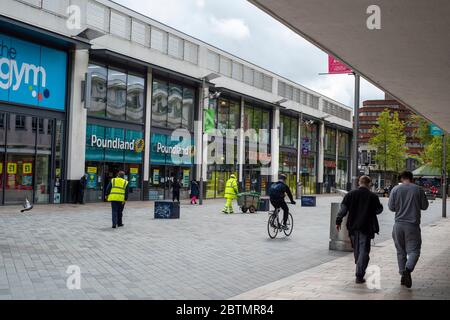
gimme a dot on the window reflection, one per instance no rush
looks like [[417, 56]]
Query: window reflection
[[175, 106], [188, 108], [159, 103], [98, 90], [117, 94], [135, 98], [172, 105]]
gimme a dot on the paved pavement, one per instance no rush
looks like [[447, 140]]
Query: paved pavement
[[335, 279], [204, 255]]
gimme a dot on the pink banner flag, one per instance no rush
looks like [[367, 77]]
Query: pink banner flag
[[337, 67]]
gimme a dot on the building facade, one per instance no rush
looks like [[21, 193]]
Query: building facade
[[368, 115], [89, 87]]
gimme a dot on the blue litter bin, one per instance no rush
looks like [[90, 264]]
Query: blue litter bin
[[167, 210]]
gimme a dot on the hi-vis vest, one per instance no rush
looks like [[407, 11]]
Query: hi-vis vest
[[117, 193], [231, 189]]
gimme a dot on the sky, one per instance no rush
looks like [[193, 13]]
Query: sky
[[240, 28]]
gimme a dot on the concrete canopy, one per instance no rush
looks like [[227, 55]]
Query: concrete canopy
[[409, 57]]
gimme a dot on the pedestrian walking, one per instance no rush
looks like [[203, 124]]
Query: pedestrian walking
[[117, 194], [80, 189], [231, 192], [407, 200], [176, 186], [362, 207], [195, 191]]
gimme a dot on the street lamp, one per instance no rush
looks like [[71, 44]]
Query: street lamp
[[204, 104]]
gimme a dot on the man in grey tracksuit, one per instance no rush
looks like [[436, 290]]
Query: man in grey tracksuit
[[407, 200]]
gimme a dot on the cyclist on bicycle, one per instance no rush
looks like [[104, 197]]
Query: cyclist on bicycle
[[277, 192]]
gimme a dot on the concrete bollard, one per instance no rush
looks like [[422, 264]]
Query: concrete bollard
[[339, 241]]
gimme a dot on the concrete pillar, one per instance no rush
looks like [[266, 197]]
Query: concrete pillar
[[337, 157], [275, 145], [241, 145], [201, 140], [76, 126], [321, 156], [299, 155], [147, 133]]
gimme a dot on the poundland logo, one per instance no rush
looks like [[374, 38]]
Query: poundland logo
[[117, 144]]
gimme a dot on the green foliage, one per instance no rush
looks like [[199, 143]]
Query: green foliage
[[389, 142], [433, 152]]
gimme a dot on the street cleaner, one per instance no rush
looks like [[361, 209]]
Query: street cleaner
[[231, 192]]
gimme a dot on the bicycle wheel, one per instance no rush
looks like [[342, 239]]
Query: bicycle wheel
[[290, 225], [272, 227]]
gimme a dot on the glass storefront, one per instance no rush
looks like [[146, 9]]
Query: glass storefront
[[329, 172], [223, 114], [108, 151], [29, 167], [170, 158], [308, 167], [288, 167], [343, 165], [257, 149]]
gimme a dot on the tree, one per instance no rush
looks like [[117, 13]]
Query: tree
[[433, 152], [389, 142]]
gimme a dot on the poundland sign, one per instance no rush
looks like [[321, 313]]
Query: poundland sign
[[117, 144]]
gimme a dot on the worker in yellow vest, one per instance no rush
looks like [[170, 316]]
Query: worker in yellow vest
[[117, 194], [231, 192]]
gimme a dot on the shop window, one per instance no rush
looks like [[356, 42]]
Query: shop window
[[188, 108], [172, 105], [21, 122], [175, 106], [135, 98], [98, 90], [117, 94], [159, 103]]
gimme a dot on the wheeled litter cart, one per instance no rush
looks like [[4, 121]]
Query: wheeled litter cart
[[248, 201]]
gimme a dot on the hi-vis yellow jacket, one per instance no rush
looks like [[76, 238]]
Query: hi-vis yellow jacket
[[231, 188], [118, 188]]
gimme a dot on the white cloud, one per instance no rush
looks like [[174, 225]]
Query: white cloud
[[269, 44], [232, 28], [200, 3]]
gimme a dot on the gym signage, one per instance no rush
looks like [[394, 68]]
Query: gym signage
[[32, 74]]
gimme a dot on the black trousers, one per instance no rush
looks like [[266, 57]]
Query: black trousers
[[361, 250], [176, 195], [281, 204]]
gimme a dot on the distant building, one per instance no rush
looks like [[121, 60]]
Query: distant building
[[368, 115]]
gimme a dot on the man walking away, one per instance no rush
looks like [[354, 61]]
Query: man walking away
[[407, 200], [362, 207], [117, 194], [277, 193], [80, 189], [176, 186], [231, 192]]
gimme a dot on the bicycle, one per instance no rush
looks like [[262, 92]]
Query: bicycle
[[274, 225]]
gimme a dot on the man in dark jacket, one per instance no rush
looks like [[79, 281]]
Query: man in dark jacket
[[362, 207], [176, 186], [277, 193]]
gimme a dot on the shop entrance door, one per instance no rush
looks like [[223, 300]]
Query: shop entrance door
[[172, 172], [111, 170]]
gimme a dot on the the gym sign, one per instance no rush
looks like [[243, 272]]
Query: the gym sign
[[136, 145], [32, 74], [175, 150]]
